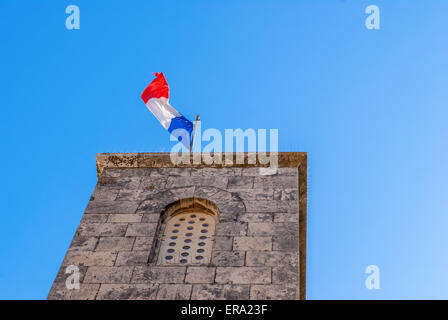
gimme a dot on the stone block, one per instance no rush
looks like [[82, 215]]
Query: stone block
[[109, 207], [220, 292], [200, 274], [132, 258], [108, 275], [285, 274], [274, 292], [83, 243], [89, 258], [125, 218], [272, 206], [152, 274], [143, 243], [59, 291], [102, 229], [286, 217], [272, 229], [223, 243], [285, 243], [271, 258], [243, 275], [115, 243], [252, 243], [231, 229], [141, 229], [228, 258], [127, 292], [277, 182], [255, 217], [240, 183], [174, 292], [92, 218]]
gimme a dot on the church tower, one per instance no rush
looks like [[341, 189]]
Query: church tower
[[156, 230]]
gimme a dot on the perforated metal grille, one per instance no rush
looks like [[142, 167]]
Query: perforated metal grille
[[188, 239]]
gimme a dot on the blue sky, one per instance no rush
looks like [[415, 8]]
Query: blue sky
[[369, 107]]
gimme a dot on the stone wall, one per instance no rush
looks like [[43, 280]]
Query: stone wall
[[256, 251]]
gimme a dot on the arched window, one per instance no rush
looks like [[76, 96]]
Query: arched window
[[188, 232]]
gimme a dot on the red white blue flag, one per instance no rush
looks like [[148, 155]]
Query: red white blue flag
[[156, 96]]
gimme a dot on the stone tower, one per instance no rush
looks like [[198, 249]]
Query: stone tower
[[155, 230]]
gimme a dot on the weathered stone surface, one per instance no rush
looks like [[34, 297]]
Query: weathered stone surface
[[174, 292], [272, 229], [252, 243], [183, 192], [285, 274], [108, 207], [179, 172], [220, 292], [271, 258], [200, 274], [274, 292], [92, 218], [228, 258], [223, 243], [132, 258], [105, 193], [285, 243], [253, 194], [231, 228], [251, 171], [207, 172], [119, 182], [143, 243], [154, 183], [152, 206], [283, 182], [83, 243], [151, 217], [255, 217], [89, 258], [129, 195], [235, 207], [215, 181], [115, 243], [127, 292], [243, 275], [286, 217], [272, 206], [150, 274], [240, 183], [102, 229], [141, 229], [108, 275], [59, 291], [219, 196], [124, 218], [285, 171]]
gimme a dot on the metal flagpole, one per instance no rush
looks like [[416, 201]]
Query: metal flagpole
[[194, 131]]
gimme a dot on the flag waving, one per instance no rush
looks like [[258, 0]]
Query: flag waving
[[156, 96]]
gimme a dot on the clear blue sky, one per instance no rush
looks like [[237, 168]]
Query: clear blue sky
[[369, 107]]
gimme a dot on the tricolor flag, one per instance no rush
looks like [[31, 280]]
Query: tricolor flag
[[156, 96]]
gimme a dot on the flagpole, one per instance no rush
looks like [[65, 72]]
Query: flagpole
[[194, 131]]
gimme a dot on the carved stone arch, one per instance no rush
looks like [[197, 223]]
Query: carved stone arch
[[186, 233]]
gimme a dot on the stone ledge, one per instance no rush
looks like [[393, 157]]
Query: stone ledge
[[162, 160]]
